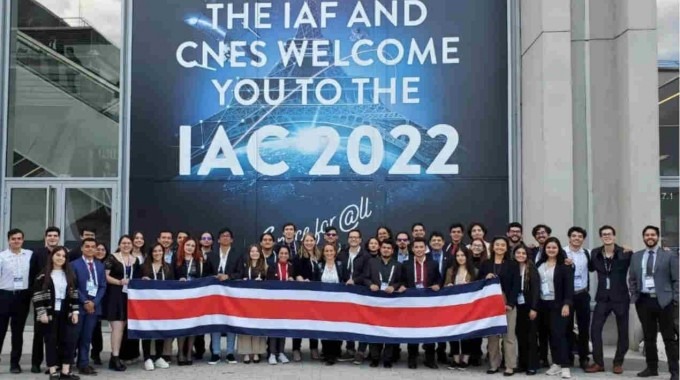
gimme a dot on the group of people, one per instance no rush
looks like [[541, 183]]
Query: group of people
[[545, 286]]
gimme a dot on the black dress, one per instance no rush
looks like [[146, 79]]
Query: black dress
[[117, 302]]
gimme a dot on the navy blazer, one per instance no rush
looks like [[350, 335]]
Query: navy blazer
[[82, 274]]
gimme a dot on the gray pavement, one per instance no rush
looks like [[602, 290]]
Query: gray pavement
[[307, 369]]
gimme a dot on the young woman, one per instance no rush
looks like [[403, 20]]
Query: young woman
[[282, 270], [121, 267], [462, 271], [155, 268], [138, 247], [503, 267], [478, 231], [306, 266], [372, 246], [267, 248], [331, 271], [527, 311], [383, 233], [206, 243], [480, 252], [190, 265], [557, 292], [255, 269], [56, 303], [97, 338]]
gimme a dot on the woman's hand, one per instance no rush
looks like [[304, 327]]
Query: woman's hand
[[43, 319], [565, 310], [435, 287], [145, 278], [490, 276], [182, 279], [124, 281], [74, 319], [532, 314]]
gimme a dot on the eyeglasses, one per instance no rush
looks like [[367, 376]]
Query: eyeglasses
[[207, 238], [331, 234], [355, 237], [402, 240]]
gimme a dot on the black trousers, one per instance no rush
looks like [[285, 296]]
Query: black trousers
[[557, 327], [61, 336], [655, 319], [199, 346], [146, 348], [581, 313], [350, 345], [387, 351], [331, 349], [476, 348], [600, 315], [526, 331], [13, 314], [543, 325], [129, 348], [313, 344], [38, 351], [412, 350], [97, 340]]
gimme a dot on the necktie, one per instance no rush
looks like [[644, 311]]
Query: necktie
[[650, 263], [90, 267]]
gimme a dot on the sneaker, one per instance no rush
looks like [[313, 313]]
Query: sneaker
[[231, 359], [161, 363], [148, 365], [346, 357], [358, 358], [554, 370], [272, 359], [566, 373], [214, 359], [314, 353], [283, 359]]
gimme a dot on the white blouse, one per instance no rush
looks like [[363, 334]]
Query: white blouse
[[60, 284], [330, 275]]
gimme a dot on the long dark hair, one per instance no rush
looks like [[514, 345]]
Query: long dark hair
[[530, 267], [492, 254], [469, 265], [560, 251], [147, 266], [260, 264], [47, 271]]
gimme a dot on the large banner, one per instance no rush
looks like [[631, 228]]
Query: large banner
[[168, 309], [355, 113]]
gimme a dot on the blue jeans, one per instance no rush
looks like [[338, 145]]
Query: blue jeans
[[86, 324], [216, 339]]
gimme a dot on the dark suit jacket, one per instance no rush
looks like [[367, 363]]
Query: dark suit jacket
[[39, 260], [563, 281], [446, 263], [306, 268], [75, 253], [618, 281], [508, 273], [82, 273], [532, 289], [343, 274], [357, 268], [233, 267], [373, 275], [665, 276], [273, 272], [205, 269], [408, 276], [294, 247]]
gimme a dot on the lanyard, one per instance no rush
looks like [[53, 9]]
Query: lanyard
[[250, 277], [223, 263], [93, 272], [281, 272], [422, 271], [390, 278], [189, 268], [521, 284], [132, 268], [350, 264]]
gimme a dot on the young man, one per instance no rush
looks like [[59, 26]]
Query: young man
[[85, 233], [420, 273], [91, 284], [456, 232], [230, 266], [16, 271], [653, 283], [541, 233], [442, 261], [40, 257], [514, 234], [403, 247], [289, 241], [353, 259], [610, 262], [331, 237], [384, 274], [579, 258], [165, 239]]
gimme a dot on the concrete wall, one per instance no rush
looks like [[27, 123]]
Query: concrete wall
[[589, 117]]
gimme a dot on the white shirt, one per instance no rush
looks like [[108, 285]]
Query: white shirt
[[330, 276], [223, 260], [15, 266], [645, 257], [580, 267], [547, 274], [60, 284]]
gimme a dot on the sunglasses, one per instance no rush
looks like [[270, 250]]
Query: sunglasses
[[206, 238], [404, 240], [331, 234]]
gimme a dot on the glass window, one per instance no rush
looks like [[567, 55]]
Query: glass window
[[63, 89], [670, 230]]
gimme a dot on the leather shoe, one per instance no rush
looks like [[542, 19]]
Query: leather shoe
[[431, 365], [594, 368], [15, 369], [618, 369], [648, 372], [36, 369], [87, 371]]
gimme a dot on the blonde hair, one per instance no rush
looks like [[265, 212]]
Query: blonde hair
[[316, 254]]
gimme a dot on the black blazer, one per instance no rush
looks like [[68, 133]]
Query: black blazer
[[205, 270], [508, 273], [563, 282], [408, 276], [359, 265], [294, 247], [447, 261], [273, 271], [234, 266], [618, 282], [343, 274], [43, 299], [75, 254], [532, 289], [373, 275], [306, 268]]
